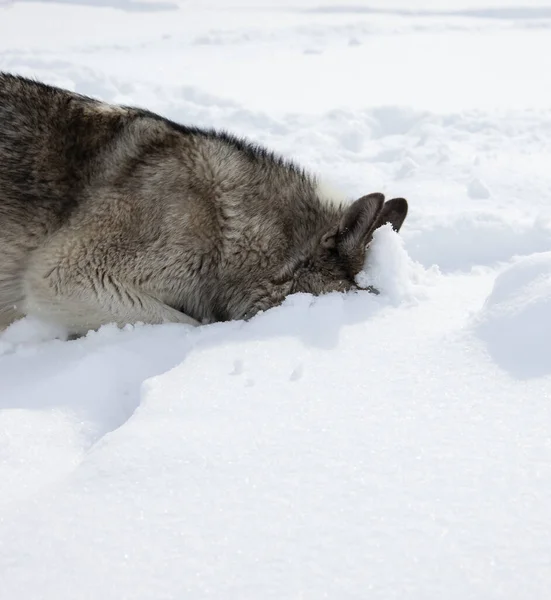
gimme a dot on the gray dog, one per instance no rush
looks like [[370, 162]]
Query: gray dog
[[112, 214]]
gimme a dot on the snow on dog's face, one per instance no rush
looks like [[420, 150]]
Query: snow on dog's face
[[329, 261], [333, 261]]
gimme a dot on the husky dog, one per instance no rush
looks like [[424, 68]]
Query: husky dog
[[113, 214]]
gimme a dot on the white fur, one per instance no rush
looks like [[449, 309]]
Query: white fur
[[330, 195]]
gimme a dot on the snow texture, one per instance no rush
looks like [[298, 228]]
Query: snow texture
[[515, 321], [391, 446]]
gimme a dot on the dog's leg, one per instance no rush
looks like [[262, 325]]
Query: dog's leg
[[81, 294]]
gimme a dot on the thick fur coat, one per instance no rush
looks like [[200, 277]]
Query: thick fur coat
[[115, 214]]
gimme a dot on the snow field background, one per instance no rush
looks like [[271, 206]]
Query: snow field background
[[359, 446]]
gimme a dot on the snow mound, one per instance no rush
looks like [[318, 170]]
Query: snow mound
[[390, 269], [23, 335], [515, 322]]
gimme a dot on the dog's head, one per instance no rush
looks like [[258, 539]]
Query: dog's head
[[334, 259]]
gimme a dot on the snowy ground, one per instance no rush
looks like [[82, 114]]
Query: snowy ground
[[390, 447]]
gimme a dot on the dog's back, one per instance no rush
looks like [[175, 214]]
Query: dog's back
[[49, 139]]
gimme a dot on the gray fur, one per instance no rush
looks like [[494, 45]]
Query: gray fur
[[115, 214]]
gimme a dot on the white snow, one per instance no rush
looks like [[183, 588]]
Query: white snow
[[362, 446], [477, 189], [390, 270], [515, 321]]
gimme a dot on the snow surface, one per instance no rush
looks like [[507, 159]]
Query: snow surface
[[359, 446]]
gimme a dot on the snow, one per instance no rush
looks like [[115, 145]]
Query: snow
[[361, 446], [515, 319], [477, 189], [389, 269]]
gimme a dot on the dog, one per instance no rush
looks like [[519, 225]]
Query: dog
[[114, 214]]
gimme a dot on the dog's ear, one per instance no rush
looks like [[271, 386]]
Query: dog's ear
[[357, 223], [394, 212]]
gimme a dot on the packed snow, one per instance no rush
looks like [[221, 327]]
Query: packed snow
[[348, 446]]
